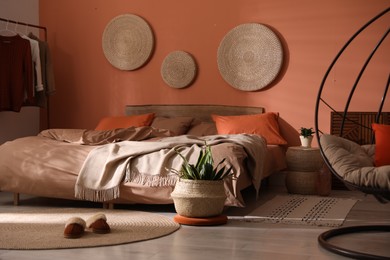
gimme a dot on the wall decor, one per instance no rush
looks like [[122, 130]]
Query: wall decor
[[178, 69], [250, 56], [127, 42]]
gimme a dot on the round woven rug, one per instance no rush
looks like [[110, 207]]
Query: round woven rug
[[250, 57], [127, 42], [178, 69], [42, 228]]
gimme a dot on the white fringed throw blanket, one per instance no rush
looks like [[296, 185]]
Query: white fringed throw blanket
[[149, 162]]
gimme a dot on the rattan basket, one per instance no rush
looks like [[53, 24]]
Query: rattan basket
[[304, 159], [302, 182], [199, 198]]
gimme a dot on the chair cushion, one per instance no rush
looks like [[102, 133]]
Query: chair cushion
[[352, 162]]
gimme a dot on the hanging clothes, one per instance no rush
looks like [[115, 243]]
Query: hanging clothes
[[47, 72], [36, 63], [16, 80]]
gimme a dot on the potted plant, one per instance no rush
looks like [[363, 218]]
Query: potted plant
[[306, 136], [200, 190]]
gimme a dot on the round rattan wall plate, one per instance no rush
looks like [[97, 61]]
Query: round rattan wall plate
[[250, 57], [178, 69], [127, 42]]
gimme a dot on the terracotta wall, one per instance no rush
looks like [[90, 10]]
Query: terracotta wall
[[312, 32]]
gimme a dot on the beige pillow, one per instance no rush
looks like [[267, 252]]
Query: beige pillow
[[177, 125]]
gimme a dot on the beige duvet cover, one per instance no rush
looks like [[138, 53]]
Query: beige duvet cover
[[49, 164]]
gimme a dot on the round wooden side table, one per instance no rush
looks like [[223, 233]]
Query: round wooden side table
[[303, 167]]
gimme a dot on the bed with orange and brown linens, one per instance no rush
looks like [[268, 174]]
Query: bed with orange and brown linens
[[129, 159]]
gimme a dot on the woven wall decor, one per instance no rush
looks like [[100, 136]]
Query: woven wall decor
[[250, 56], [127, 42], [178, 69]]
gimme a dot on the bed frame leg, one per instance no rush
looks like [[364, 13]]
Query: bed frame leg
[[108, 205], [16, 199]]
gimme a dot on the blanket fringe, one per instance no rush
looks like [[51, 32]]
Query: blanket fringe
[[96, 195], [152, 180]]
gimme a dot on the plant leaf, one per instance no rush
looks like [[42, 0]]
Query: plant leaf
[[203, 168]]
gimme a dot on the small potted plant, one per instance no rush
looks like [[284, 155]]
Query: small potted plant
[[306, 136], [200, 190]]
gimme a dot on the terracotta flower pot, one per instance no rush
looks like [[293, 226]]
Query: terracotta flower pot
[[199, 198]]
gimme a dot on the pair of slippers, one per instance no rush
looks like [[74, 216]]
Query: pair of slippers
[[75, 226]]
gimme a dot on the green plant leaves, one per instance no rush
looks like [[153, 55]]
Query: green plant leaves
[[203, 169], [305, 132]]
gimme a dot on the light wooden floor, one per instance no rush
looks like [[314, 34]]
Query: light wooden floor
[[235, 240]]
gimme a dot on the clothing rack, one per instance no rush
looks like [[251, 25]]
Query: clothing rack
[[45, 38], [28, 25]]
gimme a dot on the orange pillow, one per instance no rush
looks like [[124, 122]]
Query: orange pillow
[[382, 144], [265, 125], [114, 122]]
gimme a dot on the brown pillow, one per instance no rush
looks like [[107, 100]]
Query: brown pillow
[[177, 125], [199, 128]]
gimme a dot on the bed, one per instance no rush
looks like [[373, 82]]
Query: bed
[[65, 163]]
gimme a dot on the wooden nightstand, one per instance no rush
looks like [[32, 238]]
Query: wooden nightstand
[[304, 165]]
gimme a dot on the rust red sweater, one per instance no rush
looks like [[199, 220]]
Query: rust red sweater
[[16, 81]]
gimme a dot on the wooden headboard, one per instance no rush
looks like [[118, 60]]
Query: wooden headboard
[[357, 127], [201, 112]]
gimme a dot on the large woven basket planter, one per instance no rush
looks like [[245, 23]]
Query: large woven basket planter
[[199, 198]]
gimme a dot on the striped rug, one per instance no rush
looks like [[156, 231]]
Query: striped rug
[[305, 210]]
